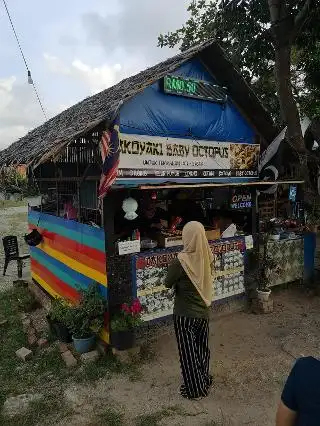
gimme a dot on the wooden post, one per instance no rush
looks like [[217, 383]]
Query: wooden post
[[78, 182], [255, 213], [119, 268], [109, 211], [57, 188]]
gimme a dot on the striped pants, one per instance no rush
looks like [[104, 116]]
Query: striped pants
[[192, 337]]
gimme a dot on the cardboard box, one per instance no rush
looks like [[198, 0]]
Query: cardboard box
[[213, 234]]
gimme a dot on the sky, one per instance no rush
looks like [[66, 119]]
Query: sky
[[75, 48]]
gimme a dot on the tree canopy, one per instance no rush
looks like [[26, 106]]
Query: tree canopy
[[242, 28]]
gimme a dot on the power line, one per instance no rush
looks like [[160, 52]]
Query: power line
[[30, 80]]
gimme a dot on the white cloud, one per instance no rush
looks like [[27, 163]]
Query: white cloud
[[19, 110], [6, 84], [95, 78], [135, 27], [55, 65], [98, 78]]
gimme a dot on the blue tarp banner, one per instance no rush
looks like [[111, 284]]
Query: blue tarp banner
[[152, 112]]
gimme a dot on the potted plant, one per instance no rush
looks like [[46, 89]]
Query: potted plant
[[58, 319], [264, 267], [86, 318], [123, 325], [263, 293], [260, 267]]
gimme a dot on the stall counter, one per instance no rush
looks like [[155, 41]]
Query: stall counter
[[294, 259], [149, 270], [288, 256]]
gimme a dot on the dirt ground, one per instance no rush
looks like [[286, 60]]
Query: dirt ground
[[13, 221], [251, 357]]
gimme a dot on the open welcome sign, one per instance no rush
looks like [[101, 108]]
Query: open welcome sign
[[241, 199]]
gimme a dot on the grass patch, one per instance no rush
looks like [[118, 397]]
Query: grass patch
[[38, 412], [5, 204], [154, 419], [96, 370], [105, 367], [46, 371], [109, 417], [134, 374], [25, 300], [147, 354], [17, 377], [12, 338]]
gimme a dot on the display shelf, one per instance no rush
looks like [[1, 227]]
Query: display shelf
[[150, 269]]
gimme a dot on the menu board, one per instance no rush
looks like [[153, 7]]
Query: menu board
[[150, 270]]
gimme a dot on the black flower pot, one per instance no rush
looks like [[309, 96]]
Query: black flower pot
[[59, 330], [123, 340]]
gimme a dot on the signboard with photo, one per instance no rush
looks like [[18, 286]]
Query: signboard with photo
[[150, 270], [144, 156]]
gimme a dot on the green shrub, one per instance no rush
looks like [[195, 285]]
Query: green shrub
[[87, 317], [26, 300], [59, 311]]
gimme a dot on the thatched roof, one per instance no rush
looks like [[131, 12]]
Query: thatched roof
[[47, 140]]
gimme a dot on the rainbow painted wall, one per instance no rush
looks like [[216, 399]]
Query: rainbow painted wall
[[70, 257]]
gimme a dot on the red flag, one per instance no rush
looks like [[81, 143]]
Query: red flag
[[109, 149]]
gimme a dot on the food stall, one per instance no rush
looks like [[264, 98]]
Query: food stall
[[184, 134]]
